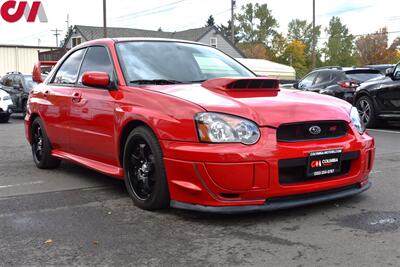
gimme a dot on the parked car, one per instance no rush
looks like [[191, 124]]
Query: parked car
[[378, 100], [381, 67], [6, 106], [153, 112], [336, 81], [18, 85]]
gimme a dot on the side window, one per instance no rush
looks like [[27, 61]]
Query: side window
[[6, 80], [97, 59], [308, 81], [17, 81], [396, 73], [68, 72], [323, 77]]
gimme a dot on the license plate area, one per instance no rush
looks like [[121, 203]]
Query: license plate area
[[322, 163]]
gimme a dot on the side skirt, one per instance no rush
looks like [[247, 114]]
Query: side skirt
[[107, 169]]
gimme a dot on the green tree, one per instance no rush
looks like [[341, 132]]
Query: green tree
[[227, 31], [256, 23], [210, 21], [277, 49], [339, 49], [303, 31]]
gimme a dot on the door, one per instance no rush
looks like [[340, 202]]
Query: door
[[308, 81], [92, 112], [388, 95], [57, 96], [322, 81]]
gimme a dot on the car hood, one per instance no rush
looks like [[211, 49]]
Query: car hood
[[266, 108]]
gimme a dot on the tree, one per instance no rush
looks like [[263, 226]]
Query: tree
[[295, 55], [303, 31], [227, 30], [373, 48], [159, 29], [253, 50], [256, 23], [277, 49], [210, 21], [339, 49]]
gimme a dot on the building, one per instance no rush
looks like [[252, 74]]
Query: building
[[19, 57], [206, 35]]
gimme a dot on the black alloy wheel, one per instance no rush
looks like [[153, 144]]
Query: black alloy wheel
[[41, 147], [145, 177]]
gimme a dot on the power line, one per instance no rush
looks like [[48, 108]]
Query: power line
[[198, 20], [149, 11]]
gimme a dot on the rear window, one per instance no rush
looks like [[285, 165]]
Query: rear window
[[363, 75]]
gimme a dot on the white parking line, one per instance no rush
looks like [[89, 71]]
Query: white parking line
[[23, 184], [383, 131]]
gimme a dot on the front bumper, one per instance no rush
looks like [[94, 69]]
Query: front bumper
[[235, 177], [278, 203]]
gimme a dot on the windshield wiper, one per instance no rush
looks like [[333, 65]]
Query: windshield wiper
[[155, 81]]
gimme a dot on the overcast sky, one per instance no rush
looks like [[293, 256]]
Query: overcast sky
[[361, 16]]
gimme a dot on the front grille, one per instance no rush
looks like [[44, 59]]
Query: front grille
[[295, 170], [296, 132]]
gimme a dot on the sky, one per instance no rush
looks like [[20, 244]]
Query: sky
[[361, 16]]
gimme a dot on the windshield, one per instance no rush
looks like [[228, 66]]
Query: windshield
[[175, 62], [29, 83], [364, 75]]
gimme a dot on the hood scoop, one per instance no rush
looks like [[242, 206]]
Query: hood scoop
[[242, 84]]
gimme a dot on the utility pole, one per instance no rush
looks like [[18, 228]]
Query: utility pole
[[314, 41], [233, 3], [105, 18], [56, 34], [67, 21]]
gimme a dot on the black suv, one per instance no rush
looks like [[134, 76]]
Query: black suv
[[18, 85], [337, 81], [378, 100]]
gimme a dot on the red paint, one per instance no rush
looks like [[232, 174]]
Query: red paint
[[96, 79], [85, 126]]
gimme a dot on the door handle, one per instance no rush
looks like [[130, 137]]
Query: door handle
[[46, 93], [76, 97]]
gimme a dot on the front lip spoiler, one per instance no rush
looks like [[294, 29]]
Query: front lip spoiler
[[277, 204]]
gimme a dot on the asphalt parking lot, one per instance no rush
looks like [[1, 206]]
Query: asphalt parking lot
[[74, 216]]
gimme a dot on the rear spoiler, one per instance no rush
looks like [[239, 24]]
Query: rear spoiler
[[38, 70]]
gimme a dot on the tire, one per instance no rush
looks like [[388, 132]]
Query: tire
[[145, 177], [367, 113], [5, 118], [41, 147]]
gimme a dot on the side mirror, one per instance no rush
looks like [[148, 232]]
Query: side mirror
[[96, 79], [37, 73], [389, 72], [296, 85]]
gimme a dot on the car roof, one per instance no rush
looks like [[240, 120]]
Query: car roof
[[111, 41]]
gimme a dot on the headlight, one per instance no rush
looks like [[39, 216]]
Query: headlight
[[356, 120], [221, 128]]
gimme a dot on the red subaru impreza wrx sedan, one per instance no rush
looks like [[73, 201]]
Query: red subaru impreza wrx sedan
[[189, 127]]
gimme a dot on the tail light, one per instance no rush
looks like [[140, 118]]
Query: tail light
[[349, 84]]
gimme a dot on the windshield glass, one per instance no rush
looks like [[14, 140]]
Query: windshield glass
[[177, 62], [363, 76], [29, 82]]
